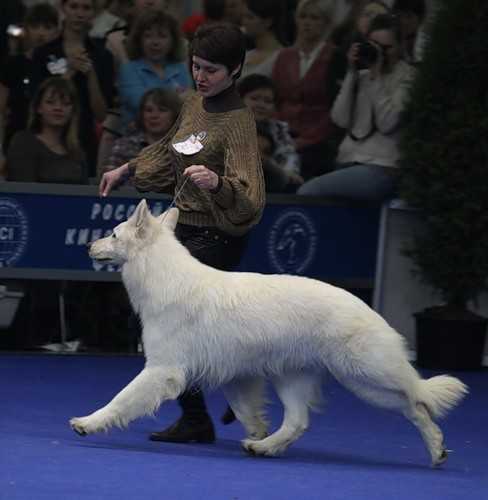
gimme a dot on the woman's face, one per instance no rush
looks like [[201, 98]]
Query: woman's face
[[311, 24], [156, 120], [156, 43], [387, 42], [369, 12], [78, 14], [55, 110], [253, 24], [210, 78], [261, 102]]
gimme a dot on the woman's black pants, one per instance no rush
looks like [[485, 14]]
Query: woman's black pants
[[221, 251]]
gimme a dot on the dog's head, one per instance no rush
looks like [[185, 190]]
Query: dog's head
[[136, 233]]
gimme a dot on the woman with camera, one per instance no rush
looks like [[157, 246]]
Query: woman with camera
[[369, 107]]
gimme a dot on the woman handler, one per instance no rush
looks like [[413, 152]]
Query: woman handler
[[213, 146]]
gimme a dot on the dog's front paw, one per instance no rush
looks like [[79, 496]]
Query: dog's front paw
[[84, 425]]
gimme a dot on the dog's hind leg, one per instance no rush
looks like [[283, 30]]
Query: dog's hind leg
[[246, 398], [142, 396], [397, 400], [431, 433], [298, 393]]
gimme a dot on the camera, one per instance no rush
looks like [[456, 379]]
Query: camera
[[14, 30], [367, 55]]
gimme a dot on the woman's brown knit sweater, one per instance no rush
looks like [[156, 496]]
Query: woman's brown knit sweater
[[229, 148]]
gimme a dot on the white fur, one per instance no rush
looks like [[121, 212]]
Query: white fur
[[235, 329]]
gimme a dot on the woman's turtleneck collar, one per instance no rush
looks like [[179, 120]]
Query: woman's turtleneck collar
[[227, 100]]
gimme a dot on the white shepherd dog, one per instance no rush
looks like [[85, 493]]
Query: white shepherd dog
[[235, 329]]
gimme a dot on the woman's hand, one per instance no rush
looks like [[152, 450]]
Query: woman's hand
[[116, 45], [353, 55], [202, 177], [80, 61], [112, 179]]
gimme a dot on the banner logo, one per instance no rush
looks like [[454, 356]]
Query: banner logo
[[14, 232], [292, 243]]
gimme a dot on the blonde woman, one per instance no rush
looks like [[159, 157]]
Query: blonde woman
[[49, 150]]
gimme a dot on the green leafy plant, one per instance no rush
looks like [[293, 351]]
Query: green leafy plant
[[444, 154]]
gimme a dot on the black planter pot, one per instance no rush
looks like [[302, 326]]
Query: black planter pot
[[450, 343]]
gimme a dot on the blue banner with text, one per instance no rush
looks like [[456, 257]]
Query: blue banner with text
[[50, 232]]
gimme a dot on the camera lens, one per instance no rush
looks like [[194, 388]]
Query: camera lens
[[367, 55]]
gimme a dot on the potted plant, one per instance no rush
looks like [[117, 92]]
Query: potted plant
[[444, 164]]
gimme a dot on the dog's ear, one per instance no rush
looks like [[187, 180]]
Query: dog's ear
[[170, 217], [140, 215]]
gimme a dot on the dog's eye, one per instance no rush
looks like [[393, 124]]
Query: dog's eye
[[114, 235]]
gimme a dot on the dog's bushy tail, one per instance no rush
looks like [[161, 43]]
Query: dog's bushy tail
[[441, 393]]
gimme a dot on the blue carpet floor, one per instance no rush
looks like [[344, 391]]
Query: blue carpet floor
[[352, 451]]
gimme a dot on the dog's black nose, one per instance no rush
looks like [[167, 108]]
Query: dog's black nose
[[88, 245]]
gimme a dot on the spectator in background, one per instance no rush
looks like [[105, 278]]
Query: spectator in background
[[369, 106], [353, 29], [49, 150], [116, 43], [157, 113], [262, 23], [115, 15], [158, 60], [88, 65], [300, 74], [40, 25], [275, 178], [412, 14], [116, 39], [258, 93]]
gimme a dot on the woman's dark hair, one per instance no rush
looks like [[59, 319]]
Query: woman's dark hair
[[155, 19], [41, 14], [63, 88], [386, 22], [162, 98], [269, 9], [220, 43], [417, 7], [254, 82]]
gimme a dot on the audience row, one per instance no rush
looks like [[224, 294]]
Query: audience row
[[327, 89]]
